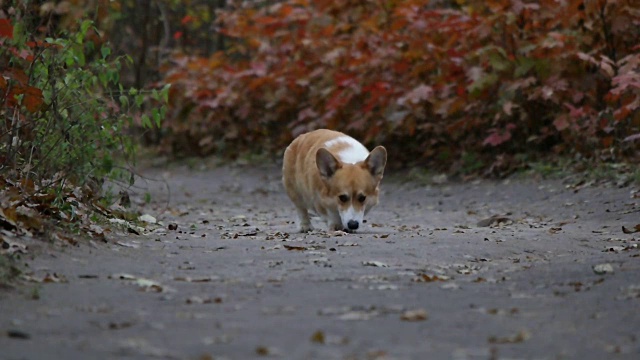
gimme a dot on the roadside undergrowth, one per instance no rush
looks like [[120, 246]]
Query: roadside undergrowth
[[66, 129]]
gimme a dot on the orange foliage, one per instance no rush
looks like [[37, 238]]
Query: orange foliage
[[430, 82]]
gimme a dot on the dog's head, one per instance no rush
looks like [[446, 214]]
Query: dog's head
[[352, 189]]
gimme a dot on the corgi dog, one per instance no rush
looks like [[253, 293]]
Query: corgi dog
[[333, 176]]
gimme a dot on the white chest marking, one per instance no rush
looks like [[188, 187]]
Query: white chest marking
[[353, 153]]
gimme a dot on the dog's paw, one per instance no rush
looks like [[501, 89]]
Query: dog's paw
[[306, 229]]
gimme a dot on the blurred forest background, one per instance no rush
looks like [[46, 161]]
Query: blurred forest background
[[462, 86]]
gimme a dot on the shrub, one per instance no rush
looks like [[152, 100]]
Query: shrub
[[434, 83], [65, 112]]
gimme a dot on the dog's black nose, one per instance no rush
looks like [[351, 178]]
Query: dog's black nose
[[352, 224]]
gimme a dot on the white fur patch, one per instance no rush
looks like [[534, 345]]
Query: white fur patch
[[352, 154], [351, 214]]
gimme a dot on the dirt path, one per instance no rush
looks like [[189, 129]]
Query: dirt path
[[422, 280]]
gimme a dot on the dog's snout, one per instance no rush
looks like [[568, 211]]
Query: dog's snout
[[353, 225]]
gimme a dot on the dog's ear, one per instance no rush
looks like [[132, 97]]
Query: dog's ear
[[327, 163], [376, 162]]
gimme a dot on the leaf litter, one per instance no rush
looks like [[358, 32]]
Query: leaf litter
[[28, 208]]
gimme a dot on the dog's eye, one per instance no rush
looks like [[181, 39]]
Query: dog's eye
[[343, 198], [362, 198]]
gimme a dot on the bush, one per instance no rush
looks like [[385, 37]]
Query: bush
[[437, 84], [66, 124], [65, 112]]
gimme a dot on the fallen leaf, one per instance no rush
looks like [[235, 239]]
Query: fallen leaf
[[144, 284], [357, 315], [318, 337], [630, 292], [148, 219], [492, 220], [67, 239], [199, 300], [349, 243], [631, 231], [450, 286], [429, 278], [97, 230], [87, 276], [615, 248], [54, 278], [521, 336], [384, 287], [374, 263], [128, 244], [48, 278], [297, 248], [414, 315], [122, 276], [150, 285], [120, 325], [602, 269], [9, 247], [266, 351], [8, 218], [17, 334], [196, 280]]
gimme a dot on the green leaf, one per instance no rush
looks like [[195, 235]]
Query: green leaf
[[19, 35], [524, 65], [124, 101], [165, 93], [86, 24], [498, 60], [157, 117], [106, 51], [139, 100], [146, 121], [107, 164], [483, 83]]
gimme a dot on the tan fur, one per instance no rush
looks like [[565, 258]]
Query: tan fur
[[310, 191]]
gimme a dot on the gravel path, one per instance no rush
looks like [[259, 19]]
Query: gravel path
[[432, 276]]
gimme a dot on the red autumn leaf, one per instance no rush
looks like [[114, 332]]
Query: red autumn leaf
[[187, 19], [177, 35], [607, 141], [16, 74], [418, 94], [286, 10], [561, 123], [498, 137], [33, 98], [6, 29], [575, 112], [625, 81], [407, 68]]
